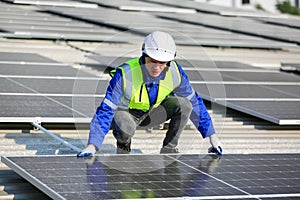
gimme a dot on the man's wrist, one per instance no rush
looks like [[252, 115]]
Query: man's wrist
[[92, 146]]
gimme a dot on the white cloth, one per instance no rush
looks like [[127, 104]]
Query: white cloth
[[214, 141], [89, 149]]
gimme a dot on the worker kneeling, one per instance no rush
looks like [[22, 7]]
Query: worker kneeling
[[148, 91]]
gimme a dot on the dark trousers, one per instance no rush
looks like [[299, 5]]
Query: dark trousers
[[177, 109]]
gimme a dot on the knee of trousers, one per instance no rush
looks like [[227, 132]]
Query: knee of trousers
[[124, 123], [184, 106]]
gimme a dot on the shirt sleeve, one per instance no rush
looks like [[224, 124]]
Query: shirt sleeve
[[199, 116], [100, 124]]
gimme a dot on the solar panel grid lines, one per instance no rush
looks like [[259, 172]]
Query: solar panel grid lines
[[182, 176]]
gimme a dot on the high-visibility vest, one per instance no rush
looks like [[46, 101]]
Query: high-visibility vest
[[135, 94]]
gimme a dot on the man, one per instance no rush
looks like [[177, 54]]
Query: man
[[148, 91]]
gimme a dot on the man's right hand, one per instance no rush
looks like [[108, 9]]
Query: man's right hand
[[90, 150], [215, 145]]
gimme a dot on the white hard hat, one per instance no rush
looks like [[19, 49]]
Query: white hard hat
[[159, 46]]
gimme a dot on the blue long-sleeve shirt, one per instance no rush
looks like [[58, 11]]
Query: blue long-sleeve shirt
[[103, 117]]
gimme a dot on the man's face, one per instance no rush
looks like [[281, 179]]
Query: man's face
[[154, 67]]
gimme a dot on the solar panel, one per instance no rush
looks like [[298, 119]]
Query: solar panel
[[248, 91], [238, 25], [212, 8], [52, 85], [291, 67], [66, 3], [189, 176], [23, 58], [140, 6], [44, 70], [282, 112], [289, 22], [57, 109], [259, 77], [25, 23]]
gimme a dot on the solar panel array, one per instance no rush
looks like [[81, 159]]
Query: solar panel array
[[184, 33], [162, 176], [267, 94], [108, 21], [113, 24], [35, 86], [18, 22], [258, 24]]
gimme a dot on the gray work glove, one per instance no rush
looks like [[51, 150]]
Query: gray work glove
[[90, 150], [215, 145]]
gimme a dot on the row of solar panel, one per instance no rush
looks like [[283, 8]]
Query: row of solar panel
[[35, 86], [110, 23], [267, 94], [54, 90], [162, 176]]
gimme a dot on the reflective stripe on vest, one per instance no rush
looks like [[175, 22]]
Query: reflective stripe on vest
[[135, 91]]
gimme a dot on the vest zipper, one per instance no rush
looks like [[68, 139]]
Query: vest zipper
[[141, 92], [156, 94]]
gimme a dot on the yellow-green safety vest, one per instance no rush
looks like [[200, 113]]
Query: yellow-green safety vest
[[135, 91]]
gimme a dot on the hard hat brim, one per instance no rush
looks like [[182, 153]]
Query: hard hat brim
[[159, 55]]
